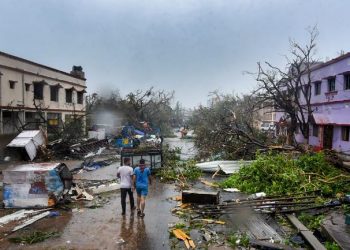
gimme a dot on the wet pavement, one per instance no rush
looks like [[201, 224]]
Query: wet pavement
[[105, 227]]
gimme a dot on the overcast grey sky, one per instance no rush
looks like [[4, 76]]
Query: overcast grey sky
[[190, 46]]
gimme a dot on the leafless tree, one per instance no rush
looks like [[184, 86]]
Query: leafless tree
[[288, 89]]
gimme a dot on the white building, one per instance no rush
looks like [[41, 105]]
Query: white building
[[32, 94]]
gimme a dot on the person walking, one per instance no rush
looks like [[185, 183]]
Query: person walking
[[141, 179], [125, 174]]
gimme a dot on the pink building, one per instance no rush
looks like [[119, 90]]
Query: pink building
[[330, 99]]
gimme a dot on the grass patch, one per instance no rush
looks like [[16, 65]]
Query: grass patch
[[238, 239], [34, 237], [332, 246], [312, 222]]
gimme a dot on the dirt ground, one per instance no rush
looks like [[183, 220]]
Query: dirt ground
[[105, 227]]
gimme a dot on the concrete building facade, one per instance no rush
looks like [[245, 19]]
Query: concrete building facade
[[330, 100], [32, 94]]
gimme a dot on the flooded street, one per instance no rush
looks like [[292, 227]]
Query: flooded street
[[187, 147]]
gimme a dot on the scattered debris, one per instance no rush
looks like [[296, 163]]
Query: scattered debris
[[227, 167], [18, 215], [268, 245], [336, 230], [83, 148], [233, 190], [211, 221], [31, 220], [35, 185], [185, 238], [208, 183], [257, 195], [306, 233], [105, 188], [27, 142], [120, 241]]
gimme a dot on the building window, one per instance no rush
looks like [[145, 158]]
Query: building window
[[80, 97], [345, 133], [347, 82], [331, 84], [53, 119], [38, 90], [12, 84], [318, 88], [315, 130], [54, 93], [27, 86], [69, 95]]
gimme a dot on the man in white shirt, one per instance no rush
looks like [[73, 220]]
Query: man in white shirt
[[125, 174]]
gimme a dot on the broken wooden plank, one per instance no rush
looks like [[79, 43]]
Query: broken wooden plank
[[268, 245], [335, 229], [306, 233], [200, 197]]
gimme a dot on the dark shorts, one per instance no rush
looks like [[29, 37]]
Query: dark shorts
[[142, 191]]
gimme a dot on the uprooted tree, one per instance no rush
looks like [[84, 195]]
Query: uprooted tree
[[225, 129], [152, 106], [288, 89]]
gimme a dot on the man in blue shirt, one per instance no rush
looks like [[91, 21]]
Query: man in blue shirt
[[141, 178]]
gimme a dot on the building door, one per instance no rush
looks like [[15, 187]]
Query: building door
[[328, 136]]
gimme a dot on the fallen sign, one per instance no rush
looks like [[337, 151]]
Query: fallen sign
[[27, 142], [35, 185]]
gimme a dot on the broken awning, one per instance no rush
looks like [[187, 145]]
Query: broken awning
[[332, 119]]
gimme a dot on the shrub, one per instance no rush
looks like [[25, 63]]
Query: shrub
[[277, 174]]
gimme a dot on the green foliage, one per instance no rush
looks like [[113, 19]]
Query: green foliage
[[180, 225], [34, 237], [277, 174], [238, 239], [332, 246], [175, 169], [312, 222], [223, 128]]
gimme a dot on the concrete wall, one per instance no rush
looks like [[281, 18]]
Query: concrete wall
[[336, 69], [21, 100], [19, 96]]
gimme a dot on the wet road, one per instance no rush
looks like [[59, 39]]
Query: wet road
[[105, 227]]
